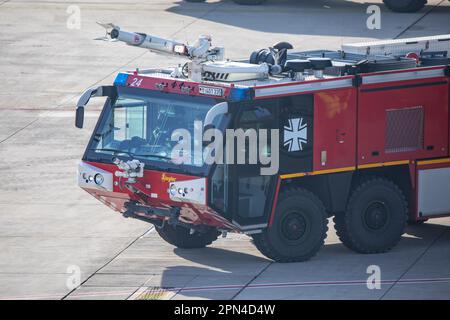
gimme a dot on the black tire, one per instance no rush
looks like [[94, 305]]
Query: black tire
[[250, 2], [298, 230], [180, 237], [405, 5], [195, 0], [375, 218]]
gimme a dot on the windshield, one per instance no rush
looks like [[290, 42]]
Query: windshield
[[140, 123]]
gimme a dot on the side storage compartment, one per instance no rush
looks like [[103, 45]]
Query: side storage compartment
[[403, 115], [433, 188]]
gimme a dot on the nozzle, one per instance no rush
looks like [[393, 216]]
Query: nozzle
[[112, 31]]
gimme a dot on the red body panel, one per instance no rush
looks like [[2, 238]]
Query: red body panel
[[372, 118], [334, 129]]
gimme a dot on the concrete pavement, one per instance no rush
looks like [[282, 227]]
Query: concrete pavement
[[48, 226]]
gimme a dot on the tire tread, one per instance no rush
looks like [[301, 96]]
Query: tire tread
[[345, 234], [263, 245]]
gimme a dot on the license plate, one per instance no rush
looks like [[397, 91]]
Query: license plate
[[210, 91]]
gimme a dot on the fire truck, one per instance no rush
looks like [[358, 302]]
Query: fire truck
[[363, 137]]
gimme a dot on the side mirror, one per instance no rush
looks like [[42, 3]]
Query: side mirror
[[79, 117], [101, 91]]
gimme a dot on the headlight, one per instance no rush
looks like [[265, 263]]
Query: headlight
[[98, 179], [173, 190], [193, 191]]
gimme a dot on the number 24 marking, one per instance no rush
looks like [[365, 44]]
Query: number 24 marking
[[136, 82]]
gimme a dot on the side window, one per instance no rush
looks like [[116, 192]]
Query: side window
[[257, 117], [136, 122], [218, 194], [127, 119], [119, 124], [253, 193], [254, 190]]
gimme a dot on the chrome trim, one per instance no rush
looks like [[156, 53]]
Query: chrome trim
[[321, 85], [400, 76]]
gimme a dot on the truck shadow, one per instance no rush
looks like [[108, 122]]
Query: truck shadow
[[217, 273], [303, 17]]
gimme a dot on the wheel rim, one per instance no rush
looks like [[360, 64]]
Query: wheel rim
[[294, 226], [376, 215]]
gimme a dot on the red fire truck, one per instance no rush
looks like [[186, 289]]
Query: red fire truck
[[363, 137]]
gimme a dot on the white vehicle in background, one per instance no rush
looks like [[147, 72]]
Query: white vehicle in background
[[394, 5]]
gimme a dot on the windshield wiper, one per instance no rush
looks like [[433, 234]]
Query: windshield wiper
[[131, 154], [115, 151], [152, 155]]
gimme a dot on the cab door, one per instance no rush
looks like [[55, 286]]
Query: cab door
[[252, 191]]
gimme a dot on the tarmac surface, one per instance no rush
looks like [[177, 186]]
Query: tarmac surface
[[51, 231]]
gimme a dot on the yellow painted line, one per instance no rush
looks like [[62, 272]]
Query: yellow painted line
[[363, 166], [436, 161], [313, 173], [292, 175], [383, 164], [370, 165], [334, 170]]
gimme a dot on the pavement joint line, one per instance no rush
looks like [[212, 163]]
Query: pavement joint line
[[147, 233], [413, 263], [142, 284], [19, 130], [251, 280], [419, 19], [178, 290], [104, 265]]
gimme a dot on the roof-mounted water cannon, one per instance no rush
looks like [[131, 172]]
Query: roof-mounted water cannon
[[207, 62], [200, 50]]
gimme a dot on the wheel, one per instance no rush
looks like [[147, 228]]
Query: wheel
[[405, 5], [250, 2], [195, 0], [298, 230], [375, 218], [182, 238]]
